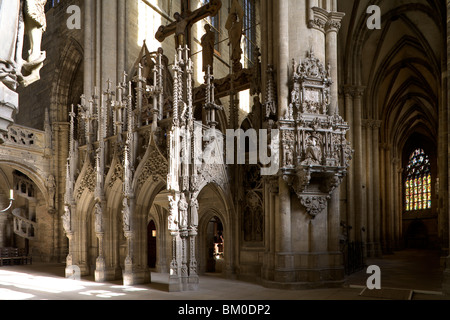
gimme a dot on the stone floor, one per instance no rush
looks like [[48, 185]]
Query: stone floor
[[416, 270]]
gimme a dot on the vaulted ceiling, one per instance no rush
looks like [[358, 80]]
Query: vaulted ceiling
[[400, 65]]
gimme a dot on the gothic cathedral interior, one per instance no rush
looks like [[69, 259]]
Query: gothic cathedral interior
[[282, 143]]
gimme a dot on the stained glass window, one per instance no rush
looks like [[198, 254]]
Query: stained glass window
[[418, 182]]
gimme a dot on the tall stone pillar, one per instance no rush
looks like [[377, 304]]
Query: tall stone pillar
[[89, 35], [376, 190], [283, 56], [383, 197], [360, 208], [348, 90], [331, 34], [331, 42], [283, 223], [368, 124], [388, 218], [314, 151], [396, 213]]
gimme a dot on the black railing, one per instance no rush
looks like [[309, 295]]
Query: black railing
[[352, 251]]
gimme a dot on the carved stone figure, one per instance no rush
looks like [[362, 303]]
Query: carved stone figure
[[234, 25], [313, 153], [208, 41], [172, 218], [194, 213], [183, 209], [66, 219], [288, 155], [180, 31], [184, 21], [35, 25], [51, 187], [11, 49], [126, 215], [16, 18], [98, 218], [257, 113]]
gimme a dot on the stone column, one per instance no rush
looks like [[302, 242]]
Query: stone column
[[283, 57], [283, 219], [283, 222], [331, 33], [88, 47], [121, 36], [175, 270], [388, 200], [193, 280], [348, 91], [400, 206], [396, 214], [370, 189], [358, 163], [376, 189], [383, 198], [333, 225]]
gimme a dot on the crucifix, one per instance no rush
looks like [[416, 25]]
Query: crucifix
[[184, 21]]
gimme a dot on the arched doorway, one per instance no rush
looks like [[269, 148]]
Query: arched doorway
[[214, 246], [151, 245]]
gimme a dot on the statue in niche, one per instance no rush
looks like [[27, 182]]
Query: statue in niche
[[208, 41], [194, 212], [234, 25], [172, 218], [288, 155], [17, 18], [183, 209], [257, 113], [313, 152]]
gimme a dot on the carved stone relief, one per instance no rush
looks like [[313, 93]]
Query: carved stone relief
[[314, 146]]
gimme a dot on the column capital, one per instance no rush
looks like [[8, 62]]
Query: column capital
[[371, 124], [325, 21], [354, 90], [376, 124], [334, 22]]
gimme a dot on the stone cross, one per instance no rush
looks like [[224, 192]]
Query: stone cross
[[184, 21]]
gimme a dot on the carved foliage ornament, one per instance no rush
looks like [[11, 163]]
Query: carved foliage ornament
[[156, 166], [117, 174], [88, 182], [314, 205]]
